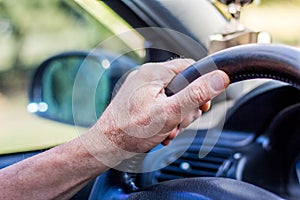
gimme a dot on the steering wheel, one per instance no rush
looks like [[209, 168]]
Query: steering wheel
[[244, 62]]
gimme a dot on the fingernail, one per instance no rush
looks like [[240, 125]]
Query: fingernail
[[217, 82]]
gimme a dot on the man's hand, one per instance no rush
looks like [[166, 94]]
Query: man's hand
[[141, 116]]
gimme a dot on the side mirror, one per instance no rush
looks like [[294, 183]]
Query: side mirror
[[76, 87]]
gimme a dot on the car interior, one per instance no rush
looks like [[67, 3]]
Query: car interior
[[245, 147]]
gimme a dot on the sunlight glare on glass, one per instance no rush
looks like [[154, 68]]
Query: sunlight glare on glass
[[43, 107], [37, 107], [105, 63], [264, 38], [32, 107], [185, 166]]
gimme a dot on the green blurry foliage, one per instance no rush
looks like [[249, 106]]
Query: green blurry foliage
[[32, 30], [265, 2]]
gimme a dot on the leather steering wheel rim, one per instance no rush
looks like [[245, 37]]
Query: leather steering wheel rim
[[278, 62], [206, 188]]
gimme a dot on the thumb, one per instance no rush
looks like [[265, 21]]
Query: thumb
[[199, 92]]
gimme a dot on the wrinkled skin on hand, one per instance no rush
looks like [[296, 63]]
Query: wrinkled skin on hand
[[141, 115]]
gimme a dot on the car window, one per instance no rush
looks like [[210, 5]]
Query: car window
[[30, 32]]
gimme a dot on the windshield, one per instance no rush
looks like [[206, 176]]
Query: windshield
[[188, 14]]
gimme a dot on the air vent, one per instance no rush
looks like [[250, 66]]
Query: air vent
[[190, 165], [221, 161]]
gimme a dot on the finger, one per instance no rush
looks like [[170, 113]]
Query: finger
[[166, 142], [205, 107], [179, 64], [163, 72], [198, 92], [173, 133], [190, 118], [171, 136]]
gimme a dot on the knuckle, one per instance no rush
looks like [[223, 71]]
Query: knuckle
[[156, 71], [142, 122], [146, 66], [150, 70], [172, 114], [171, 109], [199, 93]]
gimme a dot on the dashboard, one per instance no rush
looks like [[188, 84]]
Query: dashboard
[[258, 145]]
